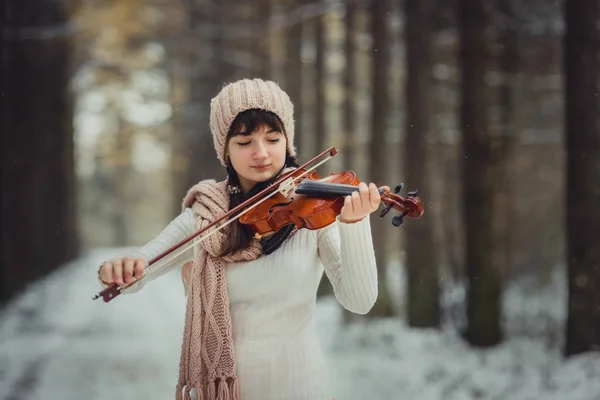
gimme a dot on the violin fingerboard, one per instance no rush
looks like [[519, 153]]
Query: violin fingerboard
[[324, 189]]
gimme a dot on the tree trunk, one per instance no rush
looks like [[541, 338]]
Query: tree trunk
[[37, 173], [261, 17], [350, 86], [423, 284], [483, 299], [377, 148], [320, 85], [582, 137], [508, 64], [206, 79], [294, 79], [178, 70]]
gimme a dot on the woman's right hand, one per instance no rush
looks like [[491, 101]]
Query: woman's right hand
[[122, 270]]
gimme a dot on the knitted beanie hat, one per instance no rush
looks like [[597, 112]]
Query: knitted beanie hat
[[244, 95]]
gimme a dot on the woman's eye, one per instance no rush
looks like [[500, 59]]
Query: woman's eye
[[274, 140], [243, 144]]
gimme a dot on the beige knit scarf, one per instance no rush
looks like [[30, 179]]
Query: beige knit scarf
[[207, 361]]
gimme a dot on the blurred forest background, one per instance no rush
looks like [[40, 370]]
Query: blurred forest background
[[489, 108]]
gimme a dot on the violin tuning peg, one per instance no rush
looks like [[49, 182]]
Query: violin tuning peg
[[414, 192], [385, 210], [397, 221], [398, 188]]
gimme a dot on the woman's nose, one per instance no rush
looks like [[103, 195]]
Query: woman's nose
[[260, 150]]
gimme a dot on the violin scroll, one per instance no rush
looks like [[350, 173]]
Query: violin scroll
[[410, 206]]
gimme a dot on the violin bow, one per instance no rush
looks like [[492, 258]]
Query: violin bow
[[283, 185]]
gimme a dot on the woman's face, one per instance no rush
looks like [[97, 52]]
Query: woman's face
[[257, 157]]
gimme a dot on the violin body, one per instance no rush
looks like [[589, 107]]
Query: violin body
[[315, 203], [304, 211]]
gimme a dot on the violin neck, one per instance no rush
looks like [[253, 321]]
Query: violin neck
[[326, 189]]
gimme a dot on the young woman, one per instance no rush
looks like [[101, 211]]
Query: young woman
[[249, 330]]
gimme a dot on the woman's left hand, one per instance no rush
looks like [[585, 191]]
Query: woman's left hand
[[361, 203]]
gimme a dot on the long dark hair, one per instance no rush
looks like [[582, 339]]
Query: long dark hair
[[240, 236]]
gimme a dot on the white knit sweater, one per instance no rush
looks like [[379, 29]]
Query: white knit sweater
[[272, 303]]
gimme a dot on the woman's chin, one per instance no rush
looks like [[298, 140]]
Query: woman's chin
[[261, 176], [265, 176]]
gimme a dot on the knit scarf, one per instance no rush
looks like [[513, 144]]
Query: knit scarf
[[207, 361]]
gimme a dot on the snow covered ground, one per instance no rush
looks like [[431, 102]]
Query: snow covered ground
[[56, 343]]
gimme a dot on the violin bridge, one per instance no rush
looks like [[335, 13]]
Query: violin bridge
[[287, 186]]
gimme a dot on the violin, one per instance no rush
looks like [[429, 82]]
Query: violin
[[315, 203], [298, 197]]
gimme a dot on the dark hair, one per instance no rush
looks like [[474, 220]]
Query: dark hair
[[247, 121], [240, 236]]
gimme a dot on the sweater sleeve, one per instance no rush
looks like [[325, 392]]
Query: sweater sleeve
[[346, 251], [177, 230]]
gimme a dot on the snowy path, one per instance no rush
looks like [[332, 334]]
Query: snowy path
[[56, 343], [62, 345]]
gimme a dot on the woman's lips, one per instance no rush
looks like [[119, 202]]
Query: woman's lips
[[261, 167]]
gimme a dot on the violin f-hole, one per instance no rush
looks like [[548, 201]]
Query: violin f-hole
[[280, 205]]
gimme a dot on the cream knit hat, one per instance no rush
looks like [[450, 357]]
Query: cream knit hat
[[244, 95]]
